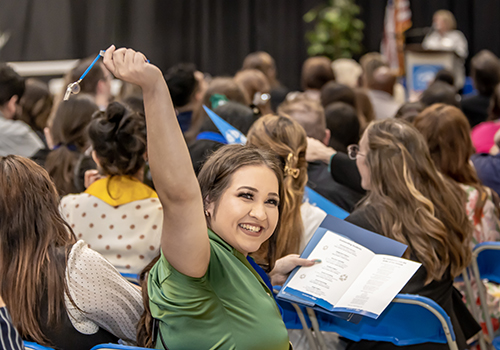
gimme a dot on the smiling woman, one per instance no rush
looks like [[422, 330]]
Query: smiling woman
[[249, 206], [202, 290]]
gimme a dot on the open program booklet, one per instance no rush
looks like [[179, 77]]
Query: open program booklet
[[360, 271]]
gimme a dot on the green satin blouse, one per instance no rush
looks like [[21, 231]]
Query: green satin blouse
[[230, 307]]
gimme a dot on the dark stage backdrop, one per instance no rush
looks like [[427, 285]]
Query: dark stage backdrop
[[214, 34]]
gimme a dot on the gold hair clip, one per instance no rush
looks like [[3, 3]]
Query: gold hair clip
[[294, 172]]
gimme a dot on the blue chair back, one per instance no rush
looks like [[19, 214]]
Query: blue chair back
[[34, 346], [116, 346], [131, 277], [486, 264], [408, 320], [488, 260]]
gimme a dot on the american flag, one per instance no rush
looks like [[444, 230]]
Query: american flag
[[397, 21]]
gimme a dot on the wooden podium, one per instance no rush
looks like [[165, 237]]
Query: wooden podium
[[422, 65]]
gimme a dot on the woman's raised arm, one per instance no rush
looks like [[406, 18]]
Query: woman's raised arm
[[184, 241]]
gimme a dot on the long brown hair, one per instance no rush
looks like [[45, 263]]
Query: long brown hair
[[409, 201], [70, 136], [447, 132], [214, 178], [284, 136], [33, 247]]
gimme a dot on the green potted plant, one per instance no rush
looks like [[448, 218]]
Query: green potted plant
[[338, 32]]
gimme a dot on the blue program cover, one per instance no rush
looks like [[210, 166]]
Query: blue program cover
[[376, 243]]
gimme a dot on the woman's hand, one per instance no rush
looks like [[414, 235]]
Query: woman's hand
[[91, 176], [316, 150], [132, 66], [285, 265]]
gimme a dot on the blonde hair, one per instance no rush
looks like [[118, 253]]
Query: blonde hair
[[448, 17], [285, 137]]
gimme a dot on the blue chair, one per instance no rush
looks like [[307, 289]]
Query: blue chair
[[428, 323], [131, 277], [110, 346], [34, 346], [486, 265]]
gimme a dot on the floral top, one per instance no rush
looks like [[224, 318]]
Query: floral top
[[488, 228]]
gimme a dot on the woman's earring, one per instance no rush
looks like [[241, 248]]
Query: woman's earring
[[207, 214]]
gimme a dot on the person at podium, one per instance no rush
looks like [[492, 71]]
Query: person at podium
[[445, 37]]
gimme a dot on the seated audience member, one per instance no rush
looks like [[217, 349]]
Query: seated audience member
[[488, 167], [299, 219], [316, 72], [209, 228], [409, 201], [440, 92], [257, 89], [265, 63], [370, 62], [16, 137], [210, 139], [334, 92], [97, 82], [347, 72], [59, 292], [9, 336], [447, 133], [483, 134], [343, 123], [445, 76], [381, 93], [485, 71], [36, 105], [311, 116], [69, 140], [187, 87], [409, 110], [225, 86], [117, 215]]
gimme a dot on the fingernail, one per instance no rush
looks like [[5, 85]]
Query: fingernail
[[316, 261]]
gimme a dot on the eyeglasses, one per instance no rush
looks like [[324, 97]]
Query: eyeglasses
[[353, 152]]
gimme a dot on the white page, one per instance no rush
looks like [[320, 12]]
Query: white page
[[378, 284], [342, 260]]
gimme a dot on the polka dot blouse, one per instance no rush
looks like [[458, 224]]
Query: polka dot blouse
[[128, 235]]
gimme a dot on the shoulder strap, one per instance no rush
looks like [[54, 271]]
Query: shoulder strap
[[156, 330]]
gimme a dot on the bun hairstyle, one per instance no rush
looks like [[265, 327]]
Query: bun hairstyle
[[118, 137]]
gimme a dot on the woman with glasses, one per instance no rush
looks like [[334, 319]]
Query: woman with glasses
[[409, 201]]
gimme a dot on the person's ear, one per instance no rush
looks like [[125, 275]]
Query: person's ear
[[326, 139], [96, 159], [48, 137], [209, 207], [10, 107]]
